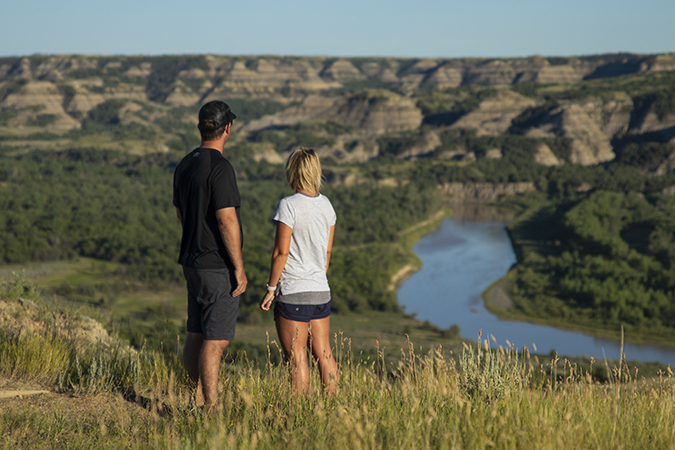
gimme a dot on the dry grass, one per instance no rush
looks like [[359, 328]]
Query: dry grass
[[110, 397]]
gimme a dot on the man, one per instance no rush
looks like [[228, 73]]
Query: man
[[207, 203]]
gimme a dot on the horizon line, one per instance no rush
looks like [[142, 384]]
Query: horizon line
[[280, 55]]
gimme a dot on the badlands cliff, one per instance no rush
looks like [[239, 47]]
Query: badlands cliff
[[352, 109]]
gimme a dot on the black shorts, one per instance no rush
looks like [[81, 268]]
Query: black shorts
[[212, 311], [301, 313]]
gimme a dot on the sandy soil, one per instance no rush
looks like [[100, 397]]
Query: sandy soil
[[20, 393], [499, 296], [403, 273]]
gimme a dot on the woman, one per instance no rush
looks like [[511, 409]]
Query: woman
[[305, 225]]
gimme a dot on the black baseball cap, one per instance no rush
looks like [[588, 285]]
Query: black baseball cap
[[218, 111]]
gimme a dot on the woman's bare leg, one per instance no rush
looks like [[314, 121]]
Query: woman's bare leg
[[293, 337], [320, 335]]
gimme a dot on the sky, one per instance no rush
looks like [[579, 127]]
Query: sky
[[422, 28]]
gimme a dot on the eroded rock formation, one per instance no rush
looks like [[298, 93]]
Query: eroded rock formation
[[370, 97]]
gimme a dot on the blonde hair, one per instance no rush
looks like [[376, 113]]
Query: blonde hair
[[303, 170]]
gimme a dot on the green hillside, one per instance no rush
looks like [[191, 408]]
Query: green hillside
[[88, 145]]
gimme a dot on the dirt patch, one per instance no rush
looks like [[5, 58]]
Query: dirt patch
[[20, 394], [95, 405], [499, 296], [403, 273], [424, 223], [64, 421], [10, 384]]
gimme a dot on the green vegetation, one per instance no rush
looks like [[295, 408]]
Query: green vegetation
[[115, 207], [98, 204], [107, 113], [19, 288], [634, 85], [598, 262], [103, 191], [647, 156], [251, 109], [42, 120], [286, 138], [165, 70], [446, 107], [398, 143], [11, 86]]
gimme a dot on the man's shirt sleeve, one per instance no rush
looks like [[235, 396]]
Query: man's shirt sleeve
[[224, 191], [176, 203]]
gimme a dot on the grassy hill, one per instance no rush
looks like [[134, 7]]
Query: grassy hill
[[104, 394]]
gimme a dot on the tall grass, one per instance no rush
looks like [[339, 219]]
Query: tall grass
[[483, 399], [41, 357]]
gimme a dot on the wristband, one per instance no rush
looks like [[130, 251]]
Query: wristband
[[271, 288]]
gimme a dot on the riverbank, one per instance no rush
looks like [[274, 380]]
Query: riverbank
[[408, 238], [461, 260], [464, 210], [562, 285], [498, 301]]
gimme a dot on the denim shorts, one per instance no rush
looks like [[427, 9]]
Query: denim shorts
[[301, 313]]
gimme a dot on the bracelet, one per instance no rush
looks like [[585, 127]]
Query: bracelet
[[271, 288]]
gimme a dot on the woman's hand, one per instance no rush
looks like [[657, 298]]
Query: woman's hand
[[266, 301]]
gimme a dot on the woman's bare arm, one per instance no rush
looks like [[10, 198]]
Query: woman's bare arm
[[282, 245], [330, 246]]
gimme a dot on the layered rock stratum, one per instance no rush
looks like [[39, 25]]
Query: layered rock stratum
[[357, 108]]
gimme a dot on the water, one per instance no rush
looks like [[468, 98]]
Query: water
[[461, 259]]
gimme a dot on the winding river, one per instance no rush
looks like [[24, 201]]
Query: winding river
[[465, 256]]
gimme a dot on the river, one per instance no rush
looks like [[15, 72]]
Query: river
[[465, 256]]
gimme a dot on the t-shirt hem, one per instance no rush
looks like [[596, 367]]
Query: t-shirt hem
[[305, 298]]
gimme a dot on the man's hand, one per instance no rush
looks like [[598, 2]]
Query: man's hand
[[266, 301], [242, 281]]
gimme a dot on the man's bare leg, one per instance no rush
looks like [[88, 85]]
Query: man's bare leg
[[209, 369], [191, 352]]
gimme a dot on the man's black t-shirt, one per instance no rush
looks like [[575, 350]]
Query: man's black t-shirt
[[203, 183]]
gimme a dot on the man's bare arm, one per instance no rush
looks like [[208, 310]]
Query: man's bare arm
[[180, 219], [228, 224]]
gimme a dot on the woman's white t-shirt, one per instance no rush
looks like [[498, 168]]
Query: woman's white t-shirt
[[311, 219]]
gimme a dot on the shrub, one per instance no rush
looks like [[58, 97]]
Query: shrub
[[19, 288], [486, 375], [451, 332]]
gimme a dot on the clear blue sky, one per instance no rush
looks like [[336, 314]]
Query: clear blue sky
[[423, 28]]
